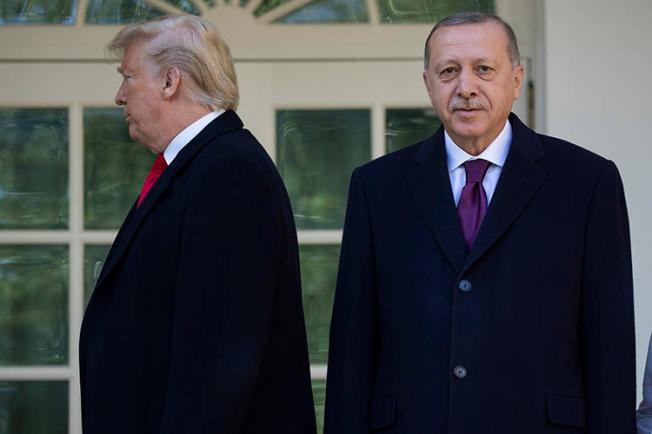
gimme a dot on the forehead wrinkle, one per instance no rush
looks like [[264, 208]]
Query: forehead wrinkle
[[462, 53], [136, 59]]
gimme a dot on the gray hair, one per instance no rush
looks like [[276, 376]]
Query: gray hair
[[474, 17], [192, 45]]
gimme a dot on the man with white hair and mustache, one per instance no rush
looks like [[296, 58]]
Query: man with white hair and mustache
[[485, 280]]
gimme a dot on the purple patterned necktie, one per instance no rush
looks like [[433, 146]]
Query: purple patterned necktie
[[473, 201]]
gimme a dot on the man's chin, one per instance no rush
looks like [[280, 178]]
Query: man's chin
[[133, 135], [467, 128]]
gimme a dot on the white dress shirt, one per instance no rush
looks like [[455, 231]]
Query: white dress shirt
[[496, 154], [187, 134]]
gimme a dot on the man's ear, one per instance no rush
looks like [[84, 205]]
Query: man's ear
[[519, 73], [425, 80], [172, 82]]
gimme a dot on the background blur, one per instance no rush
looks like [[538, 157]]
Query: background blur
[[326, 85]]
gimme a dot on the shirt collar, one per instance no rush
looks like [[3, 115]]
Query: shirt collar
[[496, 152], [187, 134]]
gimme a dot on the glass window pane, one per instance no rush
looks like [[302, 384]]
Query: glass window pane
[[114, 168], [406, 126], [33, 407], [37, 12], [427, 11], [317, 151], [33, 305], [268, 5], [328, 11], [119, 11], [318, 276], [34, 168], [185, 5], [319, 396], [94, 257]]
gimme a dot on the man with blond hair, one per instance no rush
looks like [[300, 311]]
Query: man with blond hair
[[196, 323]]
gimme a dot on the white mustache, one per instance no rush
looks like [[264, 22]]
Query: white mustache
[[466, 104]]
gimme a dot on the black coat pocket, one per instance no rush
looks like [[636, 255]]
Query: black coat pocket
[[383, 412], [566, 410]]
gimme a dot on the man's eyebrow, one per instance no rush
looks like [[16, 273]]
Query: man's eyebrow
[[120, 70], [446, 62]]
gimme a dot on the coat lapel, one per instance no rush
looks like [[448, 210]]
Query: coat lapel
[[117, 241], [429, 184], [227, 122], [518, 183]]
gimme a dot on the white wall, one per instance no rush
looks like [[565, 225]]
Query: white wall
[[598, 94]]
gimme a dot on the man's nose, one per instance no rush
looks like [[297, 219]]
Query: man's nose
[[467, 84], [120, 98]]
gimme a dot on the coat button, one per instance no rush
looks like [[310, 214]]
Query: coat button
[[460, 372], [464, 285]]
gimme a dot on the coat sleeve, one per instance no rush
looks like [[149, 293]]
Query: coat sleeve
[[224, 296], [606, 328], [354, 337]]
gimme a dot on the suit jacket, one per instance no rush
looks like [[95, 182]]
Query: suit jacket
[[644, 414], [196, 323], [531, 331]]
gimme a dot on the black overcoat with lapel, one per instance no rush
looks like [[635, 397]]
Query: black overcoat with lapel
[[196, 324], [539, 314]]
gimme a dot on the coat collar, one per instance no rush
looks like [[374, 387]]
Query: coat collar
[[227, 122], [430, 186], [431, 190]]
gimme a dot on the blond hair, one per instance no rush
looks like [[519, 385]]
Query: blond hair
[[192, 45]]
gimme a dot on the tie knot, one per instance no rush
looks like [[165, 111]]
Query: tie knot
[[159, 165], [475, 170]]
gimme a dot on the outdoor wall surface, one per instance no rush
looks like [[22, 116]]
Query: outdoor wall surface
[[597, 94]]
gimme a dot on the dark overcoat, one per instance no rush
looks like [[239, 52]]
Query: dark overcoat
[[531, 332], [196, 324]]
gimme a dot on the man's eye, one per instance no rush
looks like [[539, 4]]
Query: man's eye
[[448, 72], [484, 69]]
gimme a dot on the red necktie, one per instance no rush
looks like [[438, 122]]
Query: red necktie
[[157, 168], [473, 200]]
